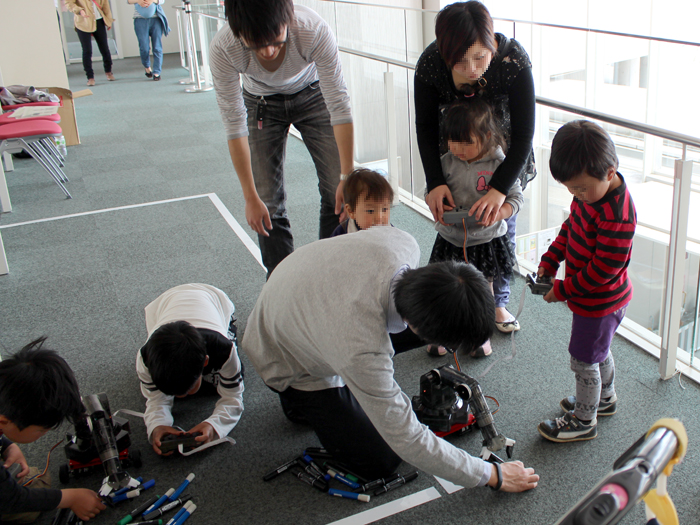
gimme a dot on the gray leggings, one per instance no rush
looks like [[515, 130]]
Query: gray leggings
[[593, 382]]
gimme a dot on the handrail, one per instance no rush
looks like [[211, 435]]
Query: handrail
[[570, 108], [542, 24]]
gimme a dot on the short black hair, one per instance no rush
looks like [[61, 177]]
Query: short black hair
[[368, 182], [37, 387], [258, 22], [473, 118], [460, 25], [175, 355], [582, 146], [448, 303]]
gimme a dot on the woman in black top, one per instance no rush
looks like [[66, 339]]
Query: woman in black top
[[468, 59]]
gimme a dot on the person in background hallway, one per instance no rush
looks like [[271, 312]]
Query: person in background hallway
[[288, 61], [150, 22], [93, 18]]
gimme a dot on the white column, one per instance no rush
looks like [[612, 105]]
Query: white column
[[391, 140]]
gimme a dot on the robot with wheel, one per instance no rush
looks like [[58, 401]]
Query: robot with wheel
[[100, 439]]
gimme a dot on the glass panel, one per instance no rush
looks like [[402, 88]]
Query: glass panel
[[75, 51]]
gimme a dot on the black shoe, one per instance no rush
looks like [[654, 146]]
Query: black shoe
[[156, 77], [149, 74], [568, 428], [605, 408]]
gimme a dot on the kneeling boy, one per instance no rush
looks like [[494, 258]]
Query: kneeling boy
[[191, 339], [37, 392]]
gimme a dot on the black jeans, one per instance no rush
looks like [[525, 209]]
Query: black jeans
[[307, 111], [100, 35], [342, 425]]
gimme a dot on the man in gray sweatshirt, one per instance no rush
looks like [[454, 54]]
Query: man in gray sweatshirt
[[319, 336]]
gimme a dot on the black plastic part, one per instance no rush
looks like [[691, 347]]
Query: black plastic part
[[539, 285], [64, 473], [172, 442]]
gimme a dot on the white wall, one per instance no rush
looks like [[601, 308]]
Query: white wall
[[26, 59], [123, 15]]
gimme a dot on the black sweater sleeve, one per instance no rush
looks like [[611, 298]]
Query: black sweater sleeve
[[427, 104], [521, 100], [16, 498]]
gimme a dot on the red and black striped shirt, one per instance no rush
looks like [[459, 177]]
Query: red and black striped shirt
[[596, 243]]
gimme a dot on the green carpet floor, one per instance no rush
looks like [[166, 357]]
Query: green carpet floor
[[84, 281]]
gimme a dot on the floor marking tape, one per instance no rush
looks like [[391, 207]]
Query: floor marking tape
[[449, 487], [391, 508]]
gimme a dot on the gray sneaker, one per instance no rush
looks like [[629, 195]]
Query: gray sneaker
[[605, 408], [567, 428]]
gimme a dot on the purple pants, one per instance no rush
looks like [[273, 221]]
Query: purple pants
[[591, 336]]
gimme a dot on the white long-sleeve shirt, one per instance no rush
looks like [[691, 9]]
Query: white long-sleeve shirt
[[311, 55], [208, 309]]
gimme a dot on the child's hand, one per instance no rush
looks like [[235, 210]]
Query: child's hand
[[84, 503], [14, 455], [159, 433], [208, 432], [540, 271], [486, 208], [550, 297], [435, 199]]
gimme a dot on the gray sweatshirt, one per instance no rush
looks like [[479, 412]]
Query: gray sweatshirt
[[321, 322], [468, 182]]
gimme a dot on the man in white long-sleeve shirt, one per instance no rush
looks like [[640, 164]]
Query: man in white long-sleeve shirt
[[287, 60], [319, 336], [191, 341]]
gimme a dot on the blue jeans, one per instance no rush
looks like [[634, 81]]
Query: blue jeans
[[153, 28], [501, 284], [307, 111]]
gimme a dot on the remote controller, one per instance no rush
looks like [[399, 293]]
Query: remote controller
[[14, 469], [455, 216], [172, 442], [539, 285]]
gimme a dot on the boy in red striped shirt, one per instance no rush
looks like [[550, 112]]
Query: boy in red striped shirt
[[596, 244]]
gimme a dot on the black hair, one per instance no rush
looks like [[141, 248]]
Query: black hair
[[473, 119], [258, 22], [175, 355], [365, 181], [37, 387], [460, 25], [448, 303], [582, 146]]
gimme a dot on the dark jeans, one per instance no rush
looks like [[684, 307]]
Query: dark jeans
[[344, 430], [342, 425], [100, 35], [307, 111]]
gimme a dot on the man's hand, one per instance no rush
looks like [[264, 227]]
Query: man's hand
[[208, 433], [486, 208], [257, 216], [340, 201], [516, 478], [84, 503], [159, 433], [14, 455], [435, 199]]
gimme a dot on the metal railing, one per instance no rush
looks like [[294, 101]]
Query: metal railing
[[666, 348]]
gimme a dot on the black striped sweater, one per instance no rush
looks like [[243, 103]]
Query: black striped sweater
[[596, 243]]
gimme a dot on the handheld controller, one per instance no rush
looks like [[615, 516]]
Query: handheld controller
[[14, 469], [172, 441], [539, 285], [456, 215]]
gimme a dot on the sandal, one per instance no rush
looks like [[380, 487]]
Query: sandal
[[91, 82], [149, 74], [156, 77], [482, 351], [436, 351], [511, 325], [110, 76]]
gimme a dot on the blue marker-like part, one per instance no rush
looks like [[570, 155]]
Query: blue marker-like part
[[158, 503], [177, 515], [188, 512], [127, 489], [182, 487], [310, 461], [348, 495], [150, 483], [127, 495], [343, 479]]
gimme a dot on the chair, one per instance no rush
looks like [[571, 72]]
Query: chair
[[49, 144], [36, 137]]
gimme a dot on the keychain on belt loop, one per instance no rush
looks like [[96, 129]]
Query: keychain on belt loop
[[260, 113]]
